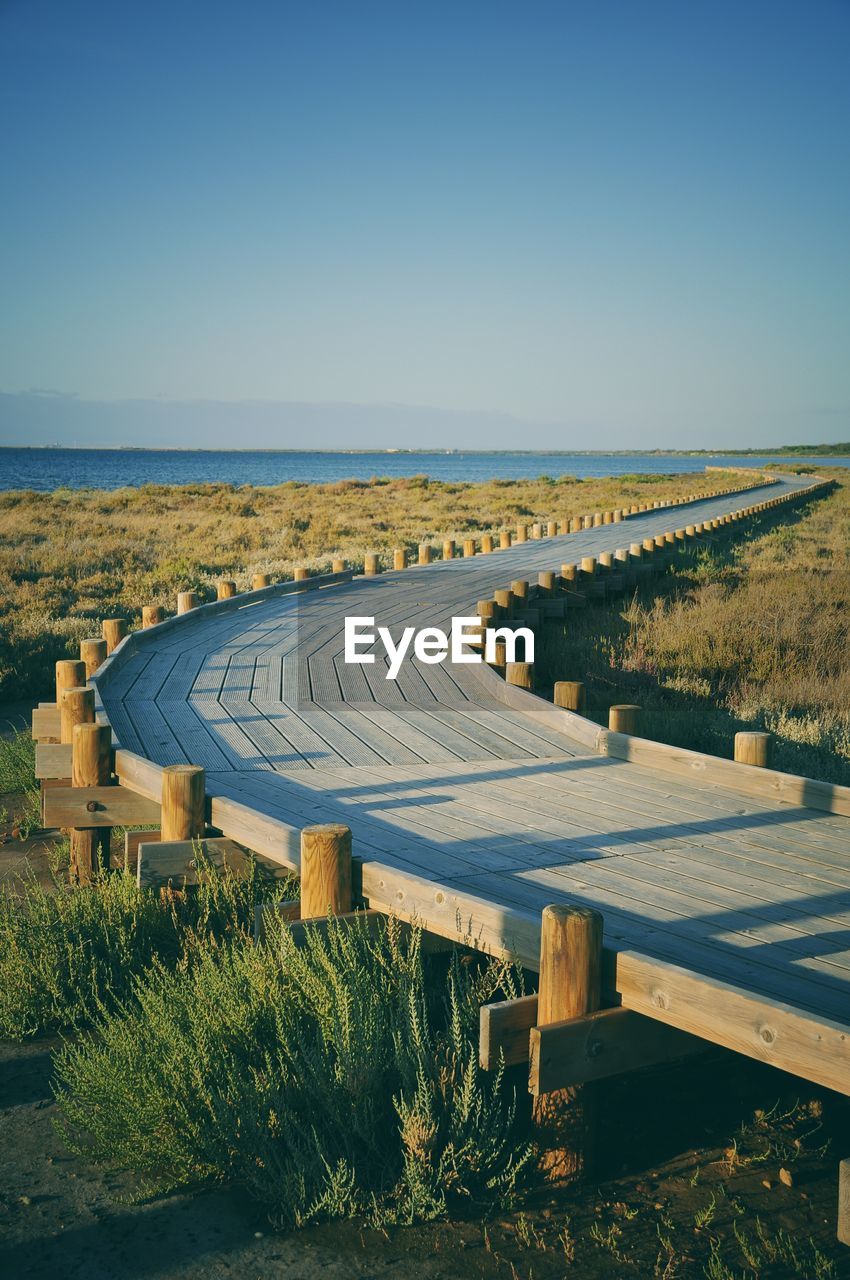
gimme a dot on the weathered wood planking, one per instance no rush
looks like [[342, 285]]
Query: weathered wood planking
[[52, 760], [112, 807]]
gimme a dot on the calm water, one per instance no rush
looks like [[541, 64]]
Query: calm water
[[46, 469]]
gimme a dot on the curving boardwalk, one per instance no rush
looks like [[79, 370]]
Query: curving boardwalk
[[474, 802]]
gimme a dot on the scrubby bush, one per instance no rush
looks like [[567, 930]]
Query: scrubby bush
[[332, 1078], [67, 955]]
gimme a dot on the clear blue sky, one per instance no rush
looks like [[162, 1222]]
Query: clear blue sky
[[617, 224]]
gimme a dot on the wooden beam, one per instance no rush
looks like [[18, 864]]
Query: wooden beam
[[805, 1044], [844, 1201], [112, 807], [52, 760], [160, 861], [504, 1028], [607, 1043], [45, 724], [132, 840]]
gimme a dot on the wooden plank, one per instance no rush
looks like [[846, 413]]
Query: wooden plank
[[770, 783], [176, 860], [114, 807], [52, 760], [45, 724], [132, 840], [816, 1048], [504, 1029], [598, 1045]]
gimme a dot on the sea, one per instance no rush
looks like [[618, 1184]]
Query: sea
[[46, 469]]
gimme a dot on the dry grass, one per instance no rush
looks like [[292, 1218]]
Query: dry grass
[[751, 636], [70, 558]]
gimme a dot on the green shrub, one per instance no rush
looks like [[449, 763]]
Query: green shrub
[[17, 777], [67, 955], [334, 1078]]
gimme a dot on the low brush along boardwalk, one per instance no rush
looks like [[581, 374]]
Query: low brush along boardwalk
[[723, 888]]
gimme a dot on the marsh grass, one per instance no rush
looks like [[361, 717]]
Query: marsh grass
[[70, 558], [17, 779], [750, 635], [335, 1078], [69, 954]]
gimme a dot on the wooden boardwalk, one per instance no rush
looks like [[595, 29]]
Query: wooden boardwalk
[[725, 895]]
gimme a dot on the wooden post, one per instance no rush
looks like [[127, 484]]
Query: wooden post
[[370, 565], [399, 558], [225, 589], [519, 591], [552, 529], [546, 582], [300, 574], [152, 615], [183, 802], [504, 539], [522, 533], [500, 657], [486, 544], [487, 611], [76, 707], [570, 987], [337, 565], [624, 718], [91, 766], [114, 631], [752, 748], [571, 695], [469, 546], [424, 553], [844, 1202], [325, 870], [187, 601], [92, 654], [521, 674], [537, 530], [504, 598], [70, 674], [260, 581]]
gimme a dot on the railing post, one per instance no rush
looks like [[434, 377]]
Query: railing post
[[571, 695], [152, 615], [624, 718], [93, 654], [114, 631], [570, 987], [183, 802], [91, 766], [752, 747], [70, 674], [76, 707], [325, 870]]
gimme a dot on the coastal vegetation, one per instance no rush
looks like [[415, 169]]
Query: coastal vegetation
[[70, 558], [753, 634], [339, 1078]]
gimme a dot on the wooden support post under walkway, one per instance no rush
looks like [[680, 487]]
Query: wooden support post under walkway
[[325, 870], [570, 986], [183, 814], [91, 766], [571, 695]]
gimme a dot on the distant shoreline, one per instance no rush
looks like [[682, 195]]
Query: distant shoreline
[[784, 451]]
